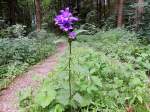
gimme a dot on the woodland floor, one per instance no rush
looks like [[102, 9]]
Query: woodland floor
[[9, 99]]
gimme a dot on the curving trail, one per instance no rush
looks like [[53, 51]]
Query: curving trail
[[9, 98]]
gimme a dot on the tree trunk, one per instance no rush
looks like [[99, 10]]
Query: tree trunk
[[109, 7], [12, 11], [38, 14], [141, 8], [120, 13], [104, 9], [139, 12], [98, 19], [78, 6]]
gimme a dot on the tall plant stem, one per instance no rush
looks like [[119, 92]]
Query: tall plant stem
[[70, 89]]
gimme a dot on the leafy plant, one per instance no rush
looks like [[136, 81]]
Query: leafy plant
[[99, 84], [20, 53], [108, 76]]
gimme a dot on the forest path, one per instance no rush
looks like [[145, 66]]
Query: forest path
[[9, 99]]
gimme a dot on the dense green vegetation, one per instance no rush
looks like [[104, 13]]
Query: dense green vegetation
[[108, 69], [108, 75], [18, 54]]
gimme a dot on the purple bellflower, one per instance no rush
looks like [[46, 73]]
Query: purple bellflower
[[65, 21], [72, 35]]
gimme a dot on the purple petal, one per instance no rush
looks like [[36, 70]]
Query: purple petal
[[73, 19], [61, 11], [72, 35], [65, 20], [67, 9]]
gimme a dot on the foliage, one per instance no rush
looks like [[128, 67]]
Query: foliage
[[14, 31], [3, 33], [46, 3], [16, 55], [89, 29], [49, 11], [92, 17], [102, 81], [42, 34], [121, 45], [144, 27], [23, 3], [94, 12]]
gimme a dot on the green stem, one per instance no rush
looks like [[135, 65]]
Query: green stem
[[70, 89]]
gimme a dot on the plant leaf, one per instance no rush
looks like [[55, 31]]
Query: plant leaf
[[82, 100], [44, 98]]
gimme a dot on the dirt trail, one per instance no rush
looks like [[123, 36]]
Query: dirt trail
[[9, 99]]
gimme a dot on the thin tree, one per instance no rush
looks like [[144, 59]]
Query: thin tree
[[139, 12], [12, 11], [109, 6], [38, 14], [78, 6], [120, 13]]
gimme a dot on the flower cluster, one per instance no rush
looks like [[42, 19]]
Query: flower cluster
[[65, 22]]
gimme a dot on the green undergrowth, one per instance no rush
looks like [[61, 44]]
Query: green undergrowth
[[121, 45], [109, 74], [18, 54]]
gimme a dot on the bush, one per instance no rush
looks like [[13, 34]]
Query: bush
[[121, 45], [14, 31], [41, 34], [89, 28], [91, 17], [3, 33]]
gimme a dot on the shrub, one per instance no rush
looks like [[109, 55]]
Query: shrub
[[37, 35], [3, 33], [14, 31], [89, 29]]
